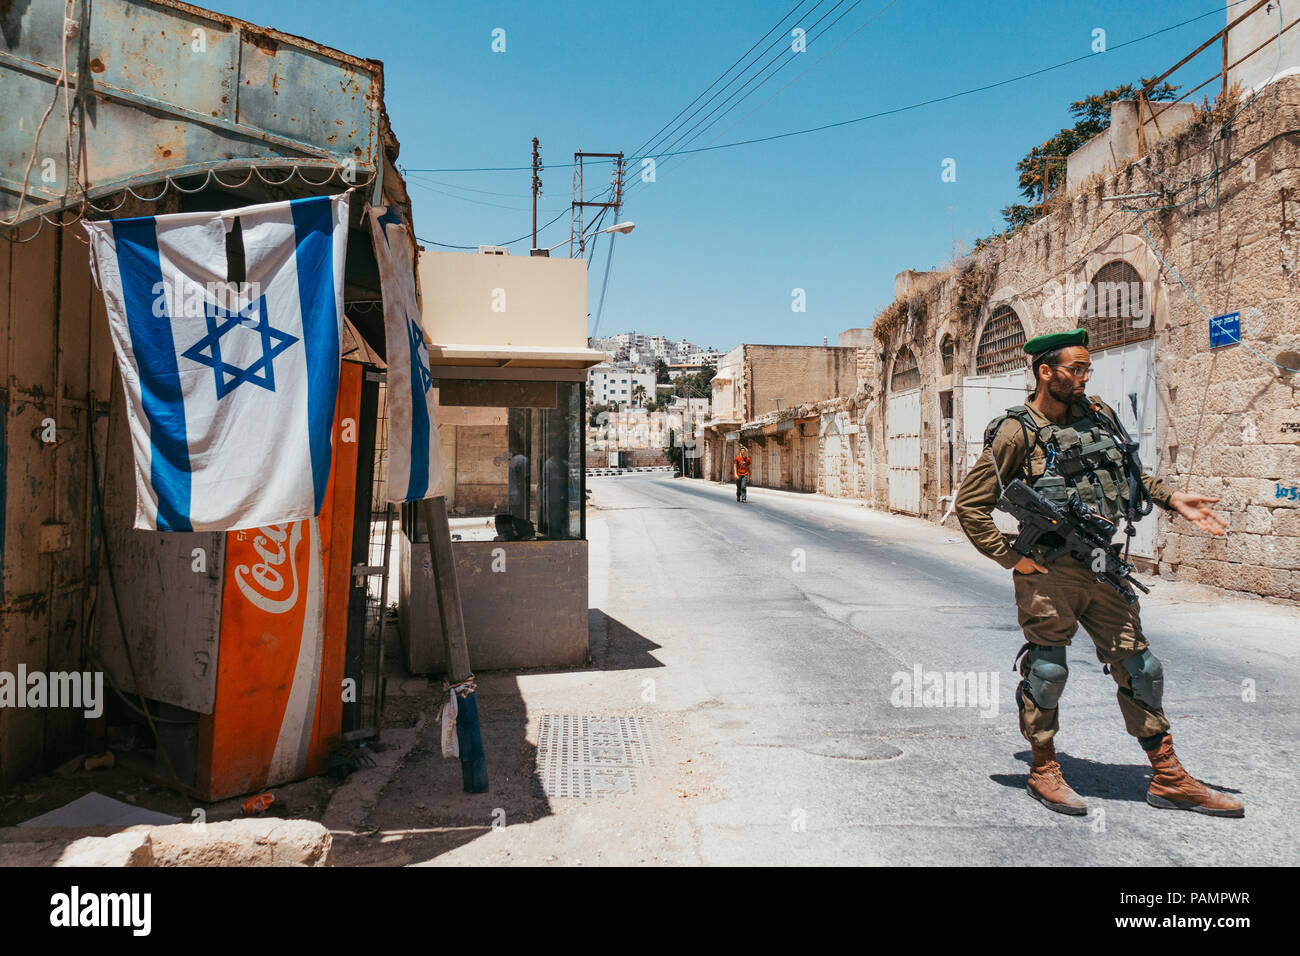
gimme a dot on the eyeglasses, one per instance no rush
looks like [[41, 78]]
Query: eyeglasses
[[1076, 371]]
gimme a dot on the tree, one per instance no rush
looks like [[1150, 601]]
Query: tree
[[661, 372], [638, 393], [1091, 116], [697, 384]]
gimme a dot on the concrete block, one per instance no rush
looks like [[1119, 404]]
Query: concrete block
[[254, 842], [132, 848]]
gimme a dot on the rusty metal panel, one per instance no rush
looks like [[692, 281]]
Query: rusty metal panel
[[172, 610], [164, 89]]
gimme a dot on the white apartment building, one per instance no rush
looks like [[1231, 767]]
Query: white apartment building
[[612, 383]]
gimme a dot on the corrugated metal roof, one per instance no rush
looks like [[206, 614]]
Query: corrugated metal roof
[[161, 89]]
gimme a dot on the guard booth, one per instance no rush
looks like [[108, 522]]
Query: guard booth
[[509, 361]]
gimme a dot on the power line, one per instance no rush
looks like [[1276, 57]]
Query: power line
[[609, 259], [720, 76], [699, 130], [476, 202], [846, 39], [468, 189], [789, 59], [527, 235], [779, 41], [881, 113], [938, 99]]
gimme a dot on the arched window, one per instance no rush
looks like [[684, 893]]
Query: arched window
[[1117, 309], [1000, 344], [907, 374], [947, 350]]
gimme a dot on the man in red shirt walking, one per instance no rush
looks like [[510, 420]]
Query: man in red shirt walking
[[740, 469]]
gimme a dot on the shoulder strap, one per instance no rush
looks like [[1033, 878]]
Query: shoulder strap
[[1015, 411], [1020, 414]]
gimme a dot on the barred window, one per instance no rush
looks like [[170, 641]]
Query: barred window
[[1116, 309], [907, 374], [1000, 344], [947, 350]]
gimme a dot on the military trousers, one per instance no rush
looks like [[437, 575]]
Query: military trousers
[[1051, 608]]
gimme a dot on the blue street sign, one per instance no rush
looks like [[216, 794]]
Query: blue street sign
[[1225, 329]]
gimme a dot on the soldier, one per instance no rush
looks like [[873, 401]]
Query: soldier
[[1076, 448]]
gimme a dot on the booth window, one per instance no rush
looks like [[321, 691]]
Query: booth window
[[510, 449]]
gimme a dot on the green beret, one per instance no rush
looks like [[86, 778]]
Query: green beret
[[1056, 340]]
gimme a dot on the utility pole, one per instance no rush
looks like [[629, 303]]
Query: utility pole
[[473, 763], [576, 228], [537, 184]]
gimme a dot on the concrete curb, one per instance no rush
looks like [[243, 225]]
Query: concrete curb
[[254, 842]]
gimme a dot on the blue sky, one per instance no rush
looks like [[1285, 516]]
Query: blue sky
[[724, 237]]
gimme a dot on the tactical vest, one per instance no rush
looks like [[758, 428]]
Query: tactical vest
[[1081, 457]]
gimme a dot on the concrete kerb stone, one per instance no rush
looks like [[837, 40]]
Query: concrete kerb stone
[[353, 801], [253, 842]]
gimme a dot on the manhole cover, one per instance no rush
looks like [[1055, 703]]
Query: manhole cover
[[591, 756]]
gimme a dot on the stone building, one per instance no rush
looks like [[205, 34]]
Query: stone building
[[1146, 254], [799, 410]]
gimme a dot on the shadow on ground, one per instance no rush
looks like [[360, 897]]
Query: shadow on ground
[[1091, 778], [422, 812]]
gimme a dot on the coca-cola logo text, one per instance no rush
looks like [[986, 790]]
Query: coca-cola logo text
[[264, 584]]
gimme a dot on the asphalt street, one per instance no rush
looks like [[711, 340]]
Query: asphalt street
[[788, 634]]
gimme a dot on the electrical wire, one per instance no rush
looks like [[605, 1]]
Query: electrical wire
[[870, 116], [476, 202], [774, 27], [527, 235], [70, 27], [824, 56], [778, 42], [609, 259], [701, 128], [704, 123], [1215, 176]]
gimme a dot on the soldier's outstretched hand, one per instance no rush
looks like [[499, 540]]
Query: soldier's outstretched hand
[[1197, 510]]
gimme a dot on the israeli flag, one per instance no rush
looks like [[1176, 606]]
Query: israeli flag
[[230, 390], [414, 455]]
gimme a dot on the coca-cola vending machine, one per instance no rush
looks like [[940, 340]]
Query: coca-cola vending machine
[[244, 644]]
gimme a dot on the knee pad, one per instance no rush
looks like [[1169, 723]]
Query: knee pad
[[1045, 672], [1146, 678]]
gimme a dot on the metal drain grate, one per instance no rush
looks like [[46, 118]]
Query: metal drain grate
[[591, 756]]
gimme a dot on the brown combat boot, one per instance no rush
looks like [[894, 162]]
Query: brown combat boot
[[1048, 786], [1173, 788]]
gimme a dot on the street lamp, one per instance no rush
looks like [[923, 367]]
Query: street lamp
[[620, 227]]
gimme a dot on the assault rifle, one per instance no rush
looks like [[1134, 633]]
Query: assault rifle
[[1081, 532]]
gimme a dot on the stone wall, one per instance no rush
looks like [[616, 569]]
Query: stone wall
[[782, 376], [1228, 423]]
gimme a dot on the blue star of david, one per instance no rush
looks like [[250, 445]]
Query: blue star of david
[[207, 350], [419, 356]]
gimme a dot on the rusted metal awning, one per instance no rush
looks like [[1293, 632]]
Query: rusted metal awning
[[159, 90]]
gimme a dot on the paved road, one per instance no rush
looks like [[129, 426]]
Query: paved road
[[788, 628]]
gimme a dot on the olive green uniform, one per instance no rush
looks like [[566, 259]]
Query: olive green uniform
[[1051, 606]]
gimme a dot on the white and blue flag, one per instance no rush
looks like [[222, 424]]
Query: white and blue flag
[[230, 389], [414, 455]]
